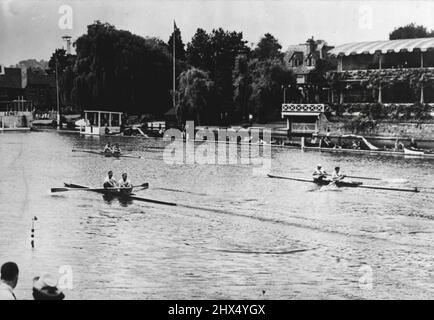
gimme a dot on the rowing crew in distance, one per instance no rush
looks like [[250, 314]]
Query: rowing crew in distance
[[112, 150], [123, 186]]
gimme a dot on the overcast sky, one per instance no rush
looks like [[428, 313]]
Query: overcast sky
[[30, 28]]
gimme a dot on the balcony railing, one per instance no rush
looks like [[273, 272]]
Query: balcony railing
[[302, 108]]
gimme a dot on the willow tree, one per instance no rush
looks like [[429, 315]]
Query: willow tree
[[194, 95], [117, 70]]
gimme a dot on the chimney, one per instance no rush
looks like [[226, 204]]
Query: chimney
[[310, 43]]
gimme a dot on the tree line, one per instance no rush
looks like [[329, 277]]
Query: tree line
[[219, 78]]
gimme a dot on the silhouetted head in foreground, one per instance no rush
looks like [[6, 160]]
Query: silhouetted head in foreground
[[9, 274]]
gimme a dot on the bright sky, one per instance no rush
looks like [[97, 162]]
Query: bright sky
[[30, 28]]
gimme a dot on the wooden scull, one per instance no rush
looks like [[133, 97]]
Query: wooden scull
[[107, 154], [119, 194], [346, 184]]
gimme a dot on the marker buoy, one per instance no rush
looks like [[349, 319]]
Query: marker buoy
[[33, 231]]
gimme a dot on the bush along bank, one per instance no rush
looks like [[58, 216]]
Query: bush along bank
[[380, 120]]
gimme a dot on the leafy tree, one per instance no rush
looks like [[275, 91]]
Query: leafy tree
[[216, 53], [179, 45], [194, 96], [199, 52], [65, 73], [242, 81], [268, 77], [117, 70], [410, 31], [62, 61], [268, 47]]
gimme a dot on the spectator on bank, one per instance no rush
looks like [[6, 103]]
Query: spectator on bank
[[45, 288], [8, 280]]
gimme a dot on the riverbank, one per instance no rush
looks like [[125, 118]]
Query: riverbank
[[383, 134]]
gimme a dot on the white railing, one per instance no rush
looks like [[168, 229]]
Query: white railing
[[303, 108]]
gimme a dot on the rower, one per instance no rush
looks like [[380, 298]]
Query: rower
[[110, 181], [125, 183], [108, 148], [319, 174], [337, 175], [116, 149]]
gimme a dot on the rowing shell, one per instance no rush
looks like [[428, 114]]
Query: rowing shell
[[345, 184], [120, 194], [106, 154], [414, 152]]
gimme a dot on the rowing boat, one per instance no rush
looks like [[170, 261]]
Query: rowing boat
[[107, 154], [413, 152], [119, 194], [345, 184], [323, 182]]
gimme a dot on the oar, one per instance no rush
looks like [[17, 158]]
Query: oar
[[143, 185], [415, 189], [356, 177], [154, 201]]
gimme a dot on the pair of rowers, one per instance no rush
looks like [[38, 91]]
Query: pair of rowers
[[112, 149], [124, 184], [319, 174]]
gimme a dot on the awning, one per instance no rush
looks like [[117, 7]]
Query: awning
[[370, 47]]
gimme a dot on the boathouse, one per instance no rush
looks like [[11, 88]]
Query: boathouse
[[392, 71], [97, 121], [302, 119]]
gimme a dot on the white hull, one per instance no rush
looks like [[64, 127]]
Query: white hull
[[413, 152]]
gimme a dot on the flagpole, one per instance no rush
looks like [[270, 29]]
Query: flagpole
[[174, 84], [57, 97]]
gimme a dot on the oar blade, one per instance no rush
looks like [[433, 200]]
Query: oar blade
[[59, 189]]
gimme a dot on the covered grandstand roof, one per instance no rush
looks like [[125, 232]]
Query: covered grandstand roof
[[370, 47]]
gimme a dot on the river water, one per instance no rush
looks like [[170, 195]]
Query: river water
[[236, 234]]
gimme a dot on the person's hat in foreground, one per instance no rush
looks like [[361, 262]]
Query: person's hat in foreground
[[45, 288]]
